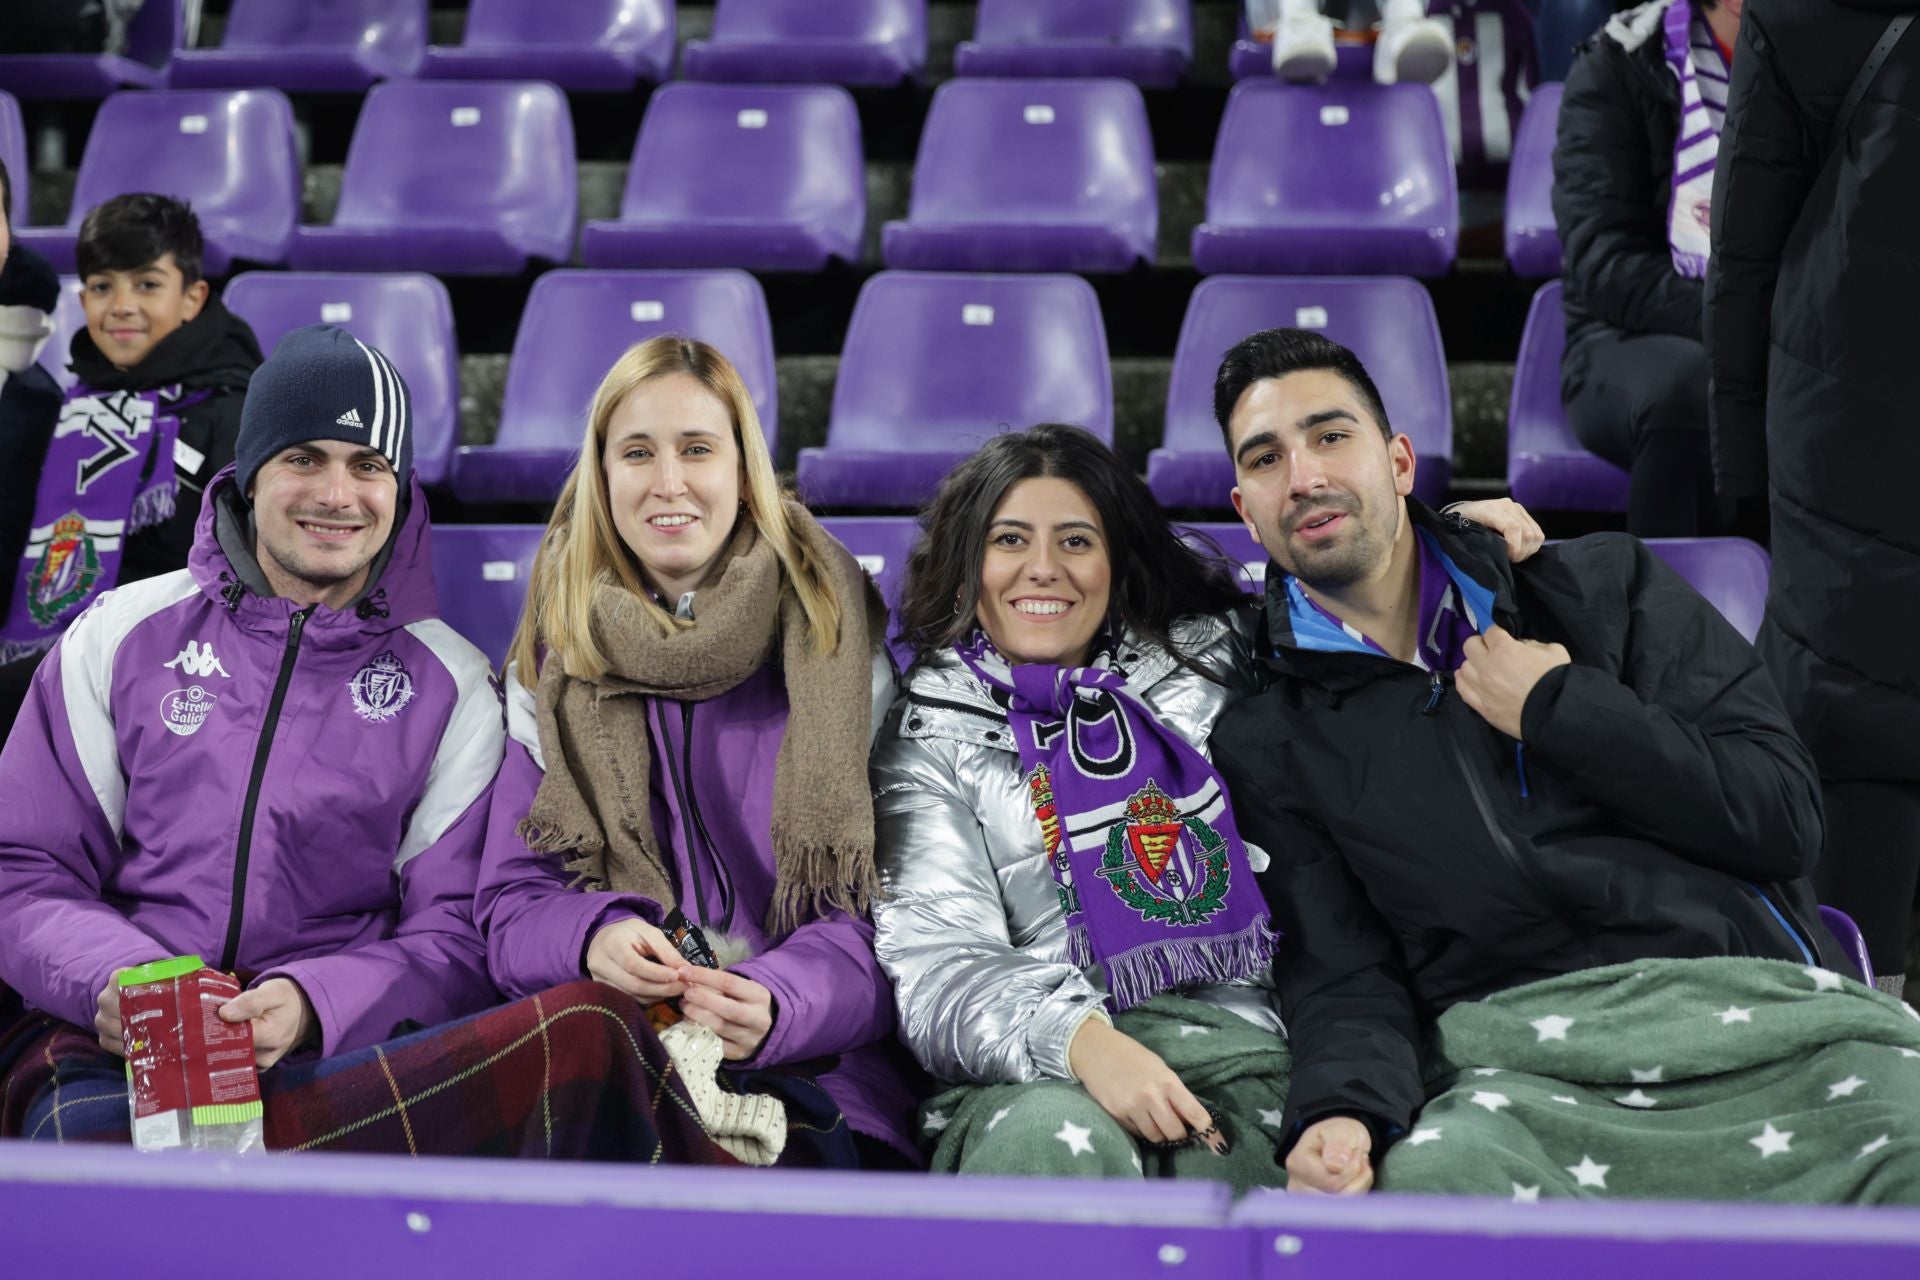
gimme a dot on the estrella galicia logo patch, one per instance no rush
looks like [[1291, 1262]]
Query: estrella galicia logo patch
[[381, 689], [184, 710]]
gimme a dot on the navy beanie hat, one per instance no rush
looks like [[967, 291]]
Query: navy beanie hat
[[322, 383]]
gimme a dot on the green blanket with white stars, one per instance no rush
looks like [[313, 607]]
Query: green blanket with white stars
[[1715, 1079]]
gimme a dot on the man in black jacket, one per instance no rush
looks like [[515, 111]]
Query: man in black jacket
[[1634, 376], [1813, 322], [29, 397], [1469, 775]]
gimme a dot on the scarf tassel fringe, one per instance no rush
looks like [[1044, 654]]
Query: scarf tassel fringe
[[1136, 976]]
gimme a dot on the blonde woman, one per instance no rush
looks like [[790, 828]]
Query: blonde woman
[[683, 814]]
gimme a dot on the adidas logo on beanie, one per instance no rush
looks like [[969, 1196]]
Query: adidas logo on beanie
[[322, 383]]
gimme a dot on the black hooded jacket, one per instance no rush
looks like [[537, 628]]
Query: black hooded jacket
[[1813, 332], [215, 351], [1660, 807]]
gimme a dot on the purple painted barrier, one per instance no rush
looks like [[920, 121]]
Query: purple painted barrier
[[371, 1218]]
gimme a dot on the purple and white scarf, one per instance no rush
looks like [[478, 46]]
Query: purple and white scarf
[[109, 473], [1152, 874], [1698, 64]]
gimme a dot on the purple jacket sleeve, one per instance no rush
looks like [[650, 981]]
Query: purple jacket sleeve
[[62, 797], [829, 989], [536, 926], [434, 966]]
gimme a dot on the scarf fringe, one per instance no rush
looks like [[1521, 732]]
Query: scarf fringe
[[154, 506], [580, 855], [1136, 976], [810, 883]]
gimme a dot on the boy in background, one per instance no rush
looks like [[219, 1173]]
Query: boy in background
[[162, 370]]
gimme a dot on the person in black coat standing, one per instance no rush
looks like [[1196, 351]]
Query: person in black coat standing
[[1813, 326], [1645, 91]]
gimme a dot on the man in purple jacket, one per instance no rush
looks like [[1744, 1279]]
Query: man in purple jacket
[[279, 758]]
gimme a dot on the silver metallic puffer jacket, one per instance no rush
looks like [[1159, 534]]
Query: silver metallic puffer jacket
[[968, 924]]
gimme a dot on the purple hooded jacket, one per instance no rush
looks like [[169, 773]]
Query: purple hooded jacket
[[832, 1000], [200, 768]]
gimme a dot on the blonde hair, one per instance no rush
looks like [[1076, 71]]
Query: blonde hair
[[582, 548]]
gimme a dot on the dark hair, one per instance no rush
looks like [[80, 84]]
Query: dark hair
[[1275, 353], [1156, 576], [6, 193], [127, 233]]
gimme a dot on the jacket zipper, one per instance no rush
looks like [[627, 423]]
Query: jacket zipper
[[1779, 914], [695, 827], [297, 624]]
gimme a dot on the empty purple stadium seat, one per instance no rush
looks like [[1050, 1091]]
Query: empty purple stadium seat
[[1348, 178], [1847, 933], [1388, 322], [13, 154], [69, 317], [853, 42], [935, 364], [1239, 545], [230, 153], [1730, 572], [1252, 59], [576, 324], [457, 178], [1546, 466], [480, 573], [407, 317], [882, 545], [1533, 242], [156, 32], [1149, 42], [765, 177], [1030, 175], [603, 46], [315, 46]]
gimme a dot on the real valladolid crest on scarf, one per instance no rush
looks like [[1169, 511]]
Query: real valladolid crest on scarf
[[1151, 871], [592, 806]]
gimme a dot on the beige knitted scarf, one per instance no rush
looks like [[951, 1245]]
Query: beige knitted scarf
[[593, 808]]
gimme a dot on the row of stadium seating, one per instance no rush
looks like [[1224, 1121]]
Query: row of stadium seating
[[345, 46], [1012, 175], [933, 362]]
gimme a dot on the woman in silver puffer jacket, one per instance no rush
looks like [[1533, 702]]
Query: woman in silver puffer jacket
[[1154, 1051]]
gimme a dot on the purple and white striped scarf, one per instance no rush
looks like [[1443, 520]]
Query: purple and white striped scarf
[[109, 473], [1135, 825], [1697, 63]]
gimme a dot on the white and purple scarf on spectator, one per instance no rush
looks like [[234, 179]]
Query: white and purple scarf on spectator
[[1697, 62], [1152, 874], [109, 473]]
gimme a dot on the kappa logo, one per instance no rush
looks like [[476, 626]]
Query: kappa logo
[[351, 418], [198, 660], [381, 689], [184, 710]]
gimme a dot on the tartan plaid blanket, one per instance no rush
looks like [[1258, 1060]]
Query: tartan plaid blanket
[[1710, 1079], [574, 1073]]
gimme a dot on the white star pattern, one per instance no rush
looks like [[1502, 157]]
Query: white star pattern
[[998, 1116], [1637, 1099], [1872, 1147], [1137, 1166], [1823, 979], [1772, 1141], [1551, 1027], [1650, 1076], [1076, 1137], [1732, 1014], [1561, 1097], [1589, 1174], [1274, 1118], [1844, 1088], [1491, 1101], [1488, 1071], [1910, 1053], [1422, 1136], [936, 1121], [1525, 1195], [1190, 1030]]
